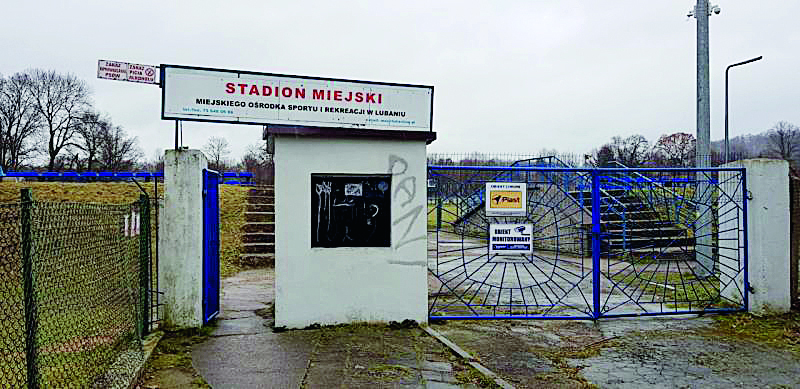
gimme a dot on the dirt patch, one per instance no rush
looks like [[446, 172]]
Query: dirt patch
[[170, 365], [529, 354]]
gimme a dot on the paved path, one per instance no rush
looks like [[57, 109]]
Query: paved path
[[675, 352], [243, 352]]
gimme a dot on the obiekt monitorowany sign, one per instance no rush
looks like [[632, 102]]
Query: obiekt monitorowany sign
[[257, 98]]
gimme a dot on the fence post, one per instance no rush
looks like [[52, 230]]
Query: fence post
[[438, 213], [144, 264], [31, 326], [596, 243]]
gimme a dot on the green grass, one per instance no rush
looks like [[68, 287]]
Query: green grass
[[106, 193], [471, 375], [85, 311], [232, 205], [671, 287], [174, 351], [775, 330], [449, 215]]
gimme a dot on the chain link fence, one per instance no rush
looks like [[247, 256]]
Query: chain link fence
[[75, 292]]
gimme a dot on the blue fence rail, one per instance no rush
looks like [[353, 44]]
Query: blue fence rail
[[227, 178]]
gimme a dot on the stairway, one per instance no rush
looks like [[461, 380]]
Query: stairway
[[259, 229], [631, 226]]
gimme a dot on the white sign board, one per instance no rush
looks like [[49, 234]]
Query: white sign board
[[123, 71], [506, 199], [510, 239], [257, 98]]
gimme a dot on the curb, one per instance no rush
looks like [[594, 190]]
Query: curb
[[149, 344], [472, 361]]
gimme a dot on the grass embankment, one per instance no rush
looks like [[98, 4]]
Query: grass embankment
[[232, 203]]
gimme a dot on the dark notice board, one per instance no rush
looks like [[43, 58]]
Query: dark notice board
[[350, 210]]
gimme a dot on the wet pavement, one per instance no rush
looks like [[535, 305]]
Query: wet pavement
[[244, 352]]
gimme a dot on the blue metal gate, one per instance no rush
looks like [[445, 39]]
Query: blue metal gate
[[605, 243], [210, 245]]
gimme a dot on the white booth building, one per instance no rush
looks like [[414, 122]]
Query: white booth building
[[350, 216]]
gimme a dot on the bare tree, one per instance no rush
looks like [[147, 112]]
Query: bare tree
[[217, 149], [784, 141], [156, 161], [19, 122], [118, 151], [256, 160], [677, 149], [93, 130], [60, 99], [632, 151], [601, 157]]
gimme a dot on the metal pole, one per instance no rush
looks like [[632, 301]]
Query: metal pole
[[29, 283], [144, 265], [596, 245], [702, 226], [438, 213], [703, 93], [727, 147], [176, 135]]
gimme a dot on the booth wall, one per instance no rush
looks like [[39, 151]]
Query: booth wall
[[349, 284]]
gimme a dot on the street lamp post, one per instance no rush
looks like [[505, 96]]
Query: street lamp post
[[727, 148]]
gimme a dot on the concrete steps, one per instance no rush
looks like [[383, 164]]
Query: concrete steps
[[632, 226], [259, 229]]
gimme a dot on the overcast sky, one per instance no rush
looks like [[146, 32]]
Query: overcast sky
[[509, 76]]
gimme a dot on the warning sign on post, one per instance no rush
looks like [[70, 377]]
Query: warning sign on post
[[506, 199], [123, 71], [510, 239]]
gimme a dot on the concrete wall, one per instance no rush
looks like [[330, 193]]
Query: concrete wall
[[341, 285], [767, 234], [180, 245]]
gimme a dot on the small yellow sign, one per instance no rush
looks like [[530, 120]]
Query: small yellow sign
[[505, 199]]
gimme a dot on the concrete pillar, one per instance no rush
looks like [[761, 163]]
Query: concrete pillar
[[767, 234], [180, 245]]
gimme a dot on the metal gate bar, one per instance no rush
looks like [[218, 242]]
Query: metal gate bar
[[211, 280]]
